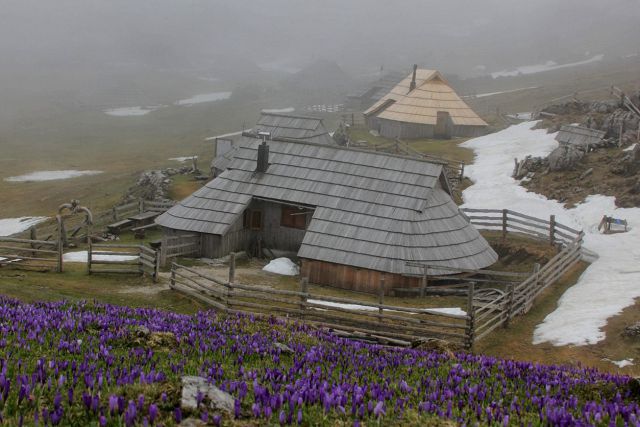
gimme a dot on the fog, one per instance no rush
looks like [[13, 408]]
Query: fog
[[73, 48]]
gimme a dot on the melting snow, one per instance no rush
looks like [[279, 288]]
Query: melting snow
[[630, 148], [130, 111], [9, 226], [609, 284], [226, 135], [445, 310], [279, 110], [547, 66], [482, 95], [50, 175], [205, 97], [283, 266], [183, 159], [82, 256], [620, 363]]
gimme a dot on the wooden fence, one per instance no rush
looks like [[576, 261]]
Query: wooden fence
[[496, 308], [518, 299], [30, 254], [506, 220], [123, 259], [74, 224], [365, 319], [179, 245]]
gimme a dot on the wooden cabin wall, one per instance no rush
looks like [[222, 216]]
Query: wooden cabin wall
[[394, 129], [239, 238], [352, 278]]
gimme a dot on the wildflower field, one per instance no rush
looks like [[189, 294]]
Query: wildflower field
[[81, 364]]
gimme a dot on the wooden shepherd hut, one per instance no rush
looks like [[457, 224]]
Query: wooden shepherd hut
[[349, 215], [423, 105]]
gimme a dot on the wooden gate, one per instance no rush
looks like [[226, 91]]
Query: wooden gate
[[123, 259]]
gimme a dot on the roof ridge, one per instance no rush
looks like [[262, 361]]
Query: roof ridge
[[291, 116], [352, 149]]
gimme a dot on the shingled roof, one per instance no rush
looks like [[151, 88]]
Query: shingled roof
[[372, 210], [289, 126], [421, 105], [579, 135]]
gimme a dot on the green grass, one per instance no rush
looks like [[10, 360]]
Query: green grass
[[75, 284], [448, 149]]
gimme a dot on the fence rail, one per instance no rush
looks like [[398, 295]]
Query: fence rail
[[178, 246], [507, 221], [394, 324], [30, 254], [123, 259]]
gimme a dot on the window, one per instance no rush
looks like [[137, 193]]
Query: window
[[252, 220], [293, 217]]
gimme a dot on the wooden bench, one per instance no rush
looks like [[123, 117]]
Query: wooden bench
[[120, 226]]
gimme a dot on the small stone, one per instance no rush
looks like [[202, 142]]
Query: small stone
[[192, 422], [141, 331], [218, 399], [632, 330], [283, 348]]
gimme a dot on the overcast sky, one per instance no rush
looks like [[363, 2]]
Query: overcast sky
[[453, 34]]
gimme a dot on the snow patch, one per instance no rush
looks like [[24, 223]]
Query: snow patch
[[483, 95], [130, 111], [620, 363], [279, 110], [9, 226], [204, 97], [183, 159], [547, 66], [50, 175], [283, 266], [227, 135], [446, 310], [630, 148], [83, 256], [609, 284]]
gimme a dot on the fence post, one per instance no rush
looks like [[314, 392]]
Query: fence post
[[156, 266], [425, 281], [552, 229], [141, 205], [510, 291], [470, 317], [381, 297], [232, 267], [114, 213], [536, 273], [60, 252], [172, 282], [304, 286], [33, 236], [89, 256], [504, 223], [461, 172]]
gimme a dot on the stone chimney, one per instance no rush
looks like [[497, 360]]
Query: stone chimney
[[412, 86], [263, 156]]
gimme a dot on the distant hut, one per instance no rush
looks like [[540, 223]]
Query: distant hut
[[423, 105], [374, 92], [579, 137], [349, 215]]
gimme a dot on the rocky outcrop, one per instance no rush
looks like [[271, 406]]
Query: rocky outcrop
[[565, 157], [154, 184]]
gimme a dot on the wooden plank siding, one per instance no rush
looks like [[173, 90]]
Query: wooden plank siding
[[352, 278], [272, 233]]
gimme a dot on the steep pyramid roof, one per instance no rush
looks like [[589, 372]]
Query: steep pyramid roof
[[421, 105]]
